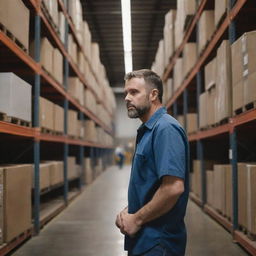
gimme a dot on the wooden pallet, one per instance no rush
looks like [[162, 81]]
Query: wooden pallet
[[14, 120], [46, 131], [9, 34], [245, 108]]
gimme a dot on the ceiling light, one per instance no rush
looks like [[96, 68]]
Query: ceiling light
[[127, 34]]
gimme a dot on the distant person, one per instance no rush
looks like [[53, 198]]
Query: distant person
[[120, 155], [153, 221]]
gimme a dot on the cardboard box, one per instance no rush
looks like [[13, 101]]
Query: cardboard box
[[242, 194], [219, 188], [210, 74], [52, 7], [223, 82], [206, 29], [88, 175], [90, 132], [178, 73], [46, 114], [58, 118], [72, 171], [203, 110], [76, 89], [56, 170], [210, 112], [87, 41], [72, 48], [169, 43], [237, 62], [44, 175], [210, 187], [62, 26], [58, 66], [221, 7], [238, 96], [72, 123], [15, 201], [14, 15], [192, 123], [229, 192], [90, 101], [251, 198], [15, 97], [189, 57], [46, 54], [250, 88]]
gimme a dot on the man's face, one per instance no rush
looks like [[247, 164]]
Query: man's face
[[137, 97]]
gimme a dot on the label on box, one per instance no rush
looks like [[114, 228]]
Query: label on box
[[245, 59], [245, 73], [230, 154]]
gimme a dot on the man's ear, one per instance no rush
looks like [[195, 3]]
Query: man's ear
[[154, 95]]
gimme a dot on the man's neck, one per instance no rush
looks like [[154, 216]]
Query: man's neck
[[150, 113]]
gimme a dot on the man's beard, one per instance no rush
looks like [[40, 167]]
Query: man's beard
[[137, 112]]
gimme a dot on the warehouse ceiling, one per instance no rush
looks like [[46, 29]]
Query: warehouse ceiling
[[105, 21]]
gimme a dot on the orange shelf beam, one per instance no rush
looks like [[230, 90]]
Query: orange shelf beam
[[244, 118], [210, 133], [14, 129], [216, 37], [220, 219], [6, 248], [243, 240]]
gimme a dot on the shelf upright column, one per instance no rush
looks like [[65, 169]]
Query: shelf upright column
[[92, 161], [200, 148], [233, 161], [233, 139], [36, 210], [66, 104], [81, 156], [185, 107]]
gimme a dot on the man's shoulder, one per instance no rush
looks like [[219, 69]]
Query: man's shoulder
[[167, 121]]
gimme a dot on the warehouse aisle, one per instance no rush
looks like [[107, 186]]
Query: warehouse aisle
[[87, 228]]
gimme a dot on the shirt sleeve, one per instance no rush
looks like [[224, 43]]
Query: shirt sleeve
[[170, 152]]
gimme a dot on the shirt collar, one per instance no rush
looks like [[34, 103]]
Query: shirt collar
[[154, 118]]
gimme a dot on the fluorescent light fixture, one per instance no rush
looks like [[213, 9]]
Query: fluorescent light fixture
[[127, 34]]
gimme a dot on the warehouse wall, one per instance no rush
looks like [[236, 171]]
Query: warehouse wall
[[126, 128]]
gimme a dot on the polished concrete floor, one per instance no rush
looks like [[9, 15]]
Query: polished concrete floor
[[86, 227]]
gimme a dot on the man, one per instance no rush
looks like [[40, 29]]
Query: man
[[153, 222]]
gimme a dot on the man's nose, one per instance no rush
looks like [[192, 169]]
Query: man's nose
[[127, 98]]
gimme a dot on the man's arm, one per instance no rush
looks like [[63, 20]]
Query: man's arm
[[163, 201]]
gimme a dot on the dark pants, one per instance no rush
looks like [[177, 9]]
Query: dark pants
[[155, 251]]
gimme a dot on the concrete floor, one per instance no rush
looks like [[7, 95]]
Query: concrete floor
[[86, 227]]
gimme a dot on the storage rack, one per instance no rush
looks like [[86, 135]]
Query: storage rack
[[230, 130], [32, 69]]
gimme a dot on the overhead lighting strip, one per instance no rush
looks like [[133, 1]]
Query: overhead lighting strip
[[127, 34]]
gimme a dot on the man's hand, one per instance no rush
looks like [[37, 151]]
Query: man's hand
[[130, 224], [119, 223]]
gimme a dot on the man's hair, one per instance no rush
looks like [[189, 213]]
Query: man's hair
[[150, 77]]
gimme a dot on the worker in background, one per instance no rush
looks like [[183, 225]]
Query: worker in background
[[153, 221], [120, 156]]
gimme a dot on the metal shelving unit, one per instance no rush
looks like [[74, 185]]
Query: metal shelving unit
[[39, 76], [229, 130]]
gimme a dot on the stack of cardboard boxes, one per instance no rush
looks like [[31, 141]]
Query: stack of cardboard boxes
[[244, 70], [14, 16]]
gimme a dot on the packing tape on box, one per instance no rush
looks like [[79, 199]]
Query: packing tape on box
[[243, 40]]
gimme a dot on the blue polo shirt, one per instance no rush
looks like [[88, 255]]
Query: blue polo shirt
[[161, 149]]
